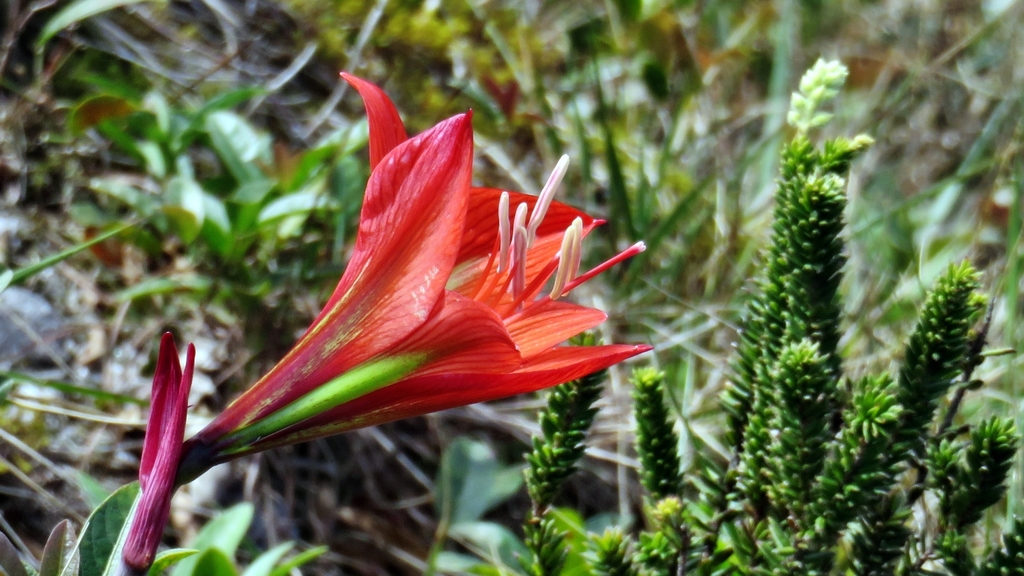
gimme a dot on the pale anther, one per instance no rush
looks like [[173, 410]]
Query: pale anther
[[520, 219], [576, 255], [547, 195], [504, 232], [518, 222], [518, 260], [565, 261]]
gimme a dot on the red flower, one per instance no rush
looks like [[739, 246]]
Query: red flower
[[439, 306], [161, 451]]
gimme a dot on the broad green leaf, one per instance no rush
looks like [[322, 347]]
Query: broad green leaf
[[598, 523], [156, 103], [154, 157], [224, 533], [216, 229], [237, 144], [59, 552], [298, 203], [630, 9], [76, 12], [90, 215], [118, 134], [227, 101], [91, 488], [153, 286], [453, 562], [490, 541], [472, 481], [336, 147], [507, 482], [168, 558], [185, 203], [350, 139], [291, 226], [5, 390], [104, 532], [298, 560], [96, 109], [310, 165], [215, 212], [264, 564], [253, 191], [5, 279], [138, 200], [211, 562]]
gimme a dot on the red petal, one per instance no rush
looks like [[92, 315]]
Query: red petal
[[465, 336], [409, 233], [547, 323], [386, 129], [422, 395], [154, 507], [165, 382]]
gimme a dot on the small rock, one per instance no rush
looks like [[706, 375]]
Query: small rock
[[29, 325]]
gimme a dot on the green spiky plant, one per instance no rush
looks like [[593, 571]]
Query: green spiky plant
[[830, 471]]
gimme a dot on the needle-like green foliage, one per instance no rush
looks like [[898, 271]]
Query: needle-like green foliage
[[668, 547], [611, 554], [564, 425], [831, 474], [936, 354], [657, 444], [1008, 559], [547, 543]]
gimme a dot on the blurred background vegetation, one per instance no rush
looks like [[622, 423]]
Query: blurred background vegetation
[[209, 158]]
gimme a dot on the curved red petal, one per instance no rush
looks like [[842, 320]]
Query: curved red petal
[[150, 519], [425, 394], [386, 128], [463, 337], [547, 323], [408, 238], [161, 405]]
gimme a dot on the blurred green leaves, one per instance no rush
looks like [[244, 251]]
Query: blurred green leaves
[[76, 12], [216, 545], [206, 176]]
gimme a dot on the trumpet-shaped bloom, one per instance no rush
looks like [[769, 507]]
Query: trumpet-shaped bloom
[[160, 453], [442, 304]]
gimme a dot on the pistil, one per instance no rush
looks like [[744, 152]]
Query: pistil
[[547, 195]]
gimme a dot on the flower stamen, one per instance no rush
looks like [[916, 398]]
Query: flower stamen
[[532, 290], [576, 255], [504, 233], [519, 259], [520, 220], [547, 195], [568, 257]]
